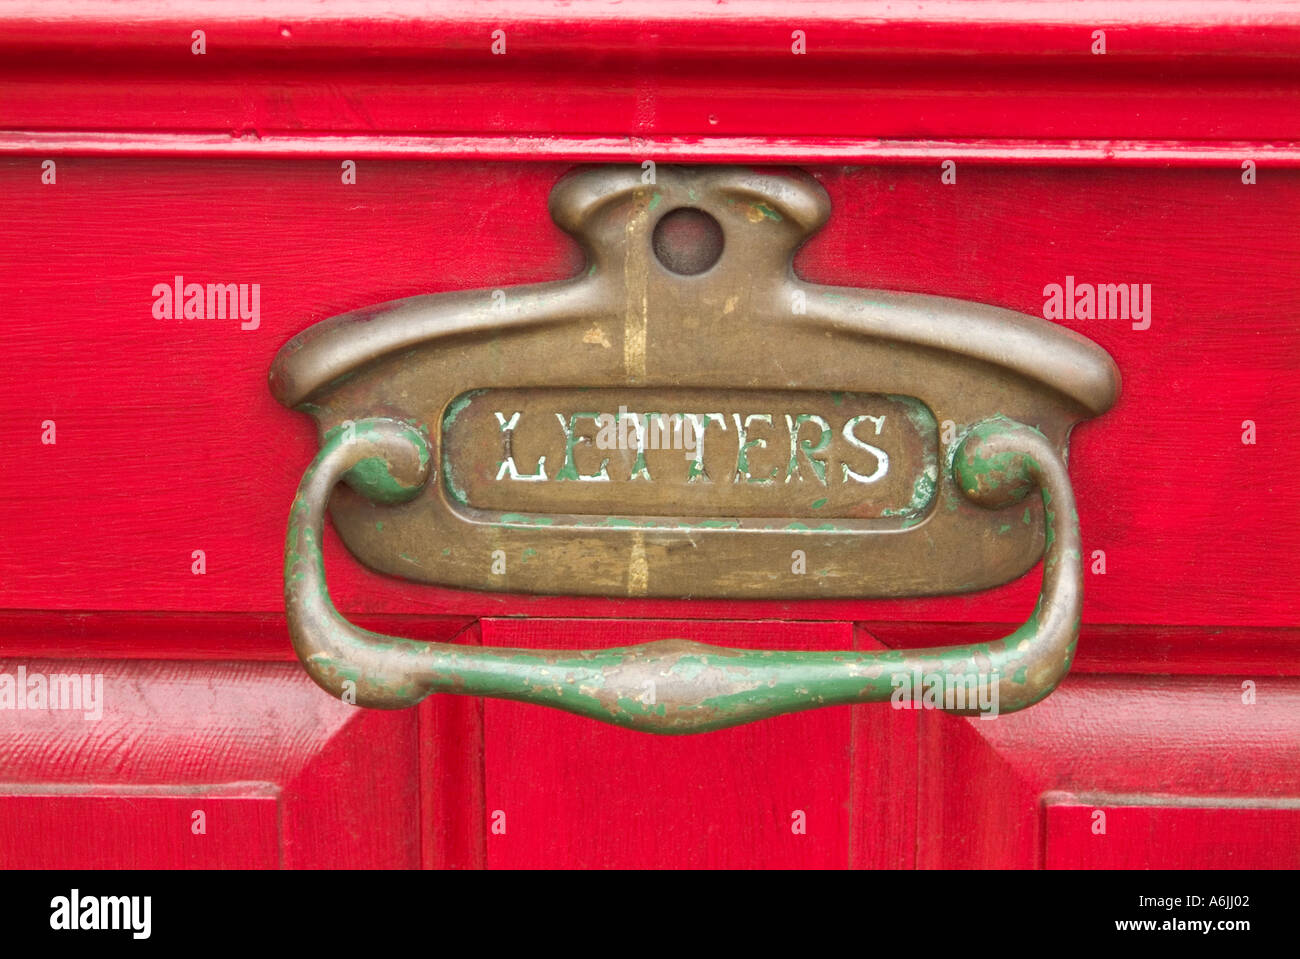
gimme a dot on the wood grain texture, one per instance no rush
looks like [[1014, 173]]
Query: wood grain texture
[[170, 425], [114, 828], [988, 787], [284, 775], [883, 801], [571, 792], [1165, 650], [1019, 69], [453, 833], [1229, 836], [247, 637]]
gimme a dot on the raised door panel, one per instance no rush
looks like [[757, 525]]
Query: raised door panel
[[206, 764], [1152, 832], [1109, 770]]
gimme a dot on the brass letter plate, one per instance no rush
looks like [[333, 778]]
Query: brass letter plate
[[677, 459], [687, 413]]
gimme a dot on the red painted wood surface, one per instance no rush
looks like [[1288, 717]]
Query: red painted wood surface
[[1147, 751], [171, 424], [283, 775], [573, 793], [226, 168], [1238, 836], [652, 68]]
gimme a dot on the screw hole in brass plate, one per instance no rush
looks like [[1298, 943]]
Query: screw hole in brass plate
[[687, 241]]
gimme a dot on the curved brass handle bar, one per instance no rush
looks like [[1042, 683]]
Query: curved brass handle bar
[[679, 686]]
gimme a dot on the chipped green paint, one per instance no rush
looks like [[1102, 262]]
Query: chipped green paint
[[818, 503], [988, 473], [808, 448], [655, 201], [370, 475], [923, 491], [639, 467], [926, 484], [680, 686], [746, 444], [457, 406], [569, 469], [920, 415], [527, 554], [614, 522], [924, 487], [449, 481], [525, 519]]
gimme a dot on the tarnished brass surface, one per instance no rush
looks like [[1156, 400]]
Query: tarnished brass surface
[[804, 392]]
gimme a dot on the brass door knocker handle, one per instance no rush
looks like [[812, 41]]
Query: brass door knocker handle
[[892, 438], [678, 686]]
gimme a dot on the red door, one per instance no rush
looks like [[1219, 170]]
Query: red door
[[336, 165]]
